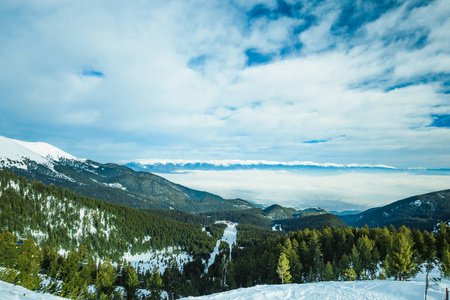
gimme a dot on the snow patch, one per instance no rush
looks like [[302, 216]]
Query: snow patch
[[158, 258], [416, 203], [116, 185]]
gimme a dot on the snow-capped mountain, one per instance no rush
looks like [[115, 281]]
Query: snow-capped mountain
[[109, 182], [14, 153], [167, 165]]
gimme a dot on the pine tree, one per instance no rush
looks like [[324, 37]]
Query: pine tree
[[356, 261], [314, 256], [399, 261], [328, 272], [283, 269], [445, 260], [132, 282], [8, 253], [365, 247], [29, 265], [106, 276]]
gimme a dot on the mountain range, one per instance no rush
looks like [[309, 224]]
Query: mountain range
[[110, 182], [121, 184], [169, 166]]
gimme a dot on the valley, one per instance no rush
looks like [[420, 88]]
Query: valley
[[172, 241]]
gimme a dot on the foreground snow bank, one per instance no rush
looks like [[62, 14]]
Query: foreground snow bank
[[12, 292], [356, 290]]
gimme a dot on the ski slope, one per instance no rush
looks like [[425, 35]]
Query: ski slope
[[229, 236], [357, 290], [338, 290]]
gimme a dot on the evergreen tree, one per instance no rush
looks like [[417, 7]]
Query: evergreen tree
[[445, 260], [365, 248], [399, 261], [132, 282], [356, 261], [283, 269], [106, 277], [328, 272], [154, 284], [313, 256], [8, 253], [29, 265], [348, 275]]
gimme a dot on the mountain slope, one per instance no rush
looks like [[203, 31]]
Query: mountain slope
[[61, 219], [109, 182], [277, 212], [422, 212], [311, 222]]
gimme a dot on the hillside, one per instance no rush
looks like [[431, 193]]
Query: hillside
[[423, 212], [110, 182], [61, 219], [311, 222], [277, 212]]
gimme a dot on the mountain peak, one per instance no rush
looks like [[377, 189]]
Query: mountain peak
[[47, 150], [40, 152]]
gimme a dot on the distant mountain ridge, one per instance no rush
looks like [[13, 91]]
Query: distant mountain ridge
[[110, 182], [168, 166], [423, 212]]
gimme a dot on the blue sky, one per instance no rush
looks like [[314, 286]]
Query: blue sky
[[363, 82]]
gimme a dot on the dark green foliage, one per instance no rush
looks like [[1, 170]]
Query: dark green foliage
[[421, 212], [182, 216], [399, 260], [311, 222], [249, 235], [108, 228], [251, 216]]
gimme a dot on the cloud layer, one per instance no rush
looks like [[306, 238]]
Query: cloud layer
[[326, 81]]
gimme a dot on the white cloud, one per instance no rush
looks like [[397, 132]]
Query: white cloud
[[332, 190], [333, 89]]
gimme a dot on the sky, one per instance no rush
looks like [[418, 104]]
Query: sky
[[364, 82]]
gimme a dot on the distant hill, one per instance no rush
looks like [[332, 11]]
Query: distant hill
[[277, 212], [110, 182], [423, 212], [311, 222]]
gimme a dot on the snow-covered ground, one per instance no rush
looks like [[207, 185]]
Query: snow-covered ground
[[229, 236], [349, 290], [357, 290], [12, 292], [158, 258]]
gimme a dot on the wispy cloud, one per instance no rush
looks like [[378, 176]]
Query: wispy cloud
[[230, 79]]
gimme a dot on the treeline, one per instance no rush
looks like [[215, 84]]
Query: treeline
[[61, 219], [341, 254]]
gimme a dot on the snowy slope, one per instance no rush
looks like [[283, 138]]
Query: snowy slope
[[229, 236], [13, 151], [39, 152], [357, 290], [12, 292], [46, 150]]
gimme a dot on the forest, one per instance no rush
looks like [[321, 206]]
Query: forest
[[37, 221]]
